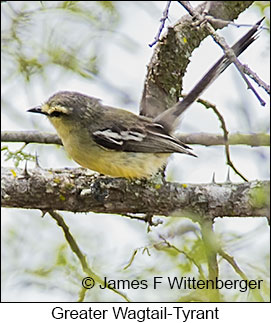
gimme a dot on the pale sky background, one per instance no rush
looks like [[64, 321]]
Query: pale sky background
[[116, 237]]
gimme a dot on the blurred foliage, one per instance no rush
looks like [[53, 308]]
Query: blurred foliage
[[260, 197], [38, 34], [180, 252], [264, 9], [17, 156]]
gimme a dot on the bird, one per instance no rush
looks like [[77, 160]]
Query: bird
[[119, 143]]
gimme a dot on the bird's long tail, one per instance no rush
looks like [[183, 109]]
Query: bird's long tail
[[169, 118]]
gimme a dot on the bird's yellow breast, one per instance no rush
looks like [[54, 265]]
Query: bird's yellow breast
[[116, 163]]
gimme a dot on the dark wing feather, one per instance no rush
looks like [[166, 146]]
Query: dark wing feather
[[143, 136]]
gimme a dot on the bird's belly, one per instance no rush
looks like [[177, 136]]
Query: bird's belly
[[116, 163]]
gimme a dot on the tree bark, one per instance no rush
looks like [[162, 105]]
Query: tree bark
[[74, 190], [163, 82]]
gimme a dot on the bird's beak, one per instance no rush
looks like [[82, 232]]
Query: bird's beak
[[37, 110]]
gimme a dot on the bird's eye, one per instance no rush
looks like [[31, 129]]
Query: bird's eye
[[56, 114]]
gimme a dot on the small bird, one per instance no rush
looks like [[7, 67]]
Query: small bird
[[119, 143]]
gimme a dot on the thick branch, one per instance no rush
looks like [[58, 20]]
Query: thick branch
[[205, 139], [163, 83], [74, 190]]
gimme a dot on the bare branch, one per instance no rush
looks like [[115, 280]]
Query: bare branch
[[162, 20], [256, 78], [76, 191], [211, 139], [225, 131], [30, 137], [200, 138], [224, 23], [202, 19]]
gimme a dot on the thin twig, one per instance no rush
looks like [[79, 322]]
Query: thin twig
[[82, 294], [222, 43], [238, 270], [256, 78], [224, 23], [233, 263], [169, 245], [162, 20], [226, 133], [75, 248], [131, 259], [145, 249], [135, 217]]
